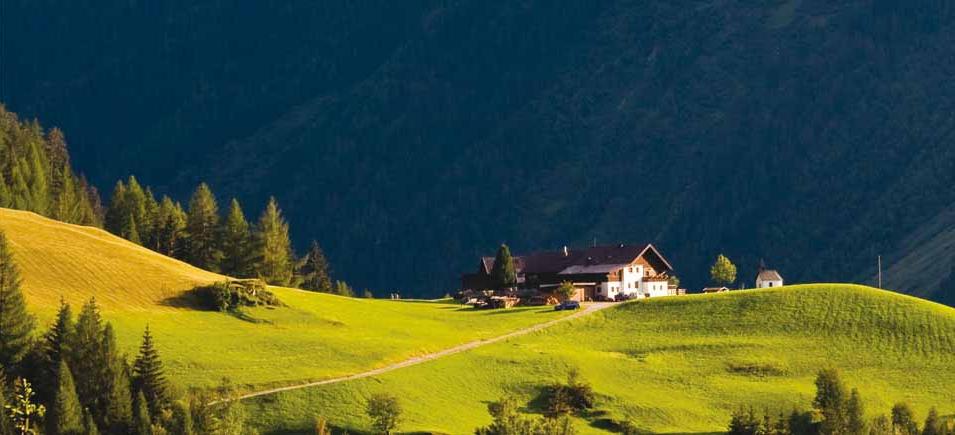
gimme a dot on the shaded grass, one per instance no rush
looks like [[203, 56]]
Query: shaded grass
[[674, 365]]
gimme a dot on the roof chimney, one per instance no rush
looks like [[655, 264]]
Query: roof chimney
[[566, 252]]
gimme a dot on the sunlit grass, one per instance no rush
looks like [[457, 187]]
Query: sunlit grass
[[675, 364]]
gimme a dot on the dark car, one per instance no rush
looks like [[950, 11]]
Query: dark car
[[567, 305]]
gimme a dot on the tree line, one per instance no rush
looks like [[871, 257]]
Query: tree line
[[36, 176], [74, 380], [837, 411]]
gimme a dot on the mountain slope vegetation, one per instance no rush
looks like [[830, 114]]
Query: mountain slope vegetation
[[673, 365], [815, 134], [313, 336]]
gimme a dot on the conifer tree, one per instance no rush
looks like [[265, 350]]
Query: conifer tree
[[20, 195], [314, 271], [831, 402], [903, 420], [89, 424], [116, 401], [149, 227], [237, 242], [5, 200], [66, 203], [171, 227], [55, 350], [66, 415], [503, 274], [6, 425], [141, 421], [85, 357], [16, 324], [129, 231], [274, 256], [933, 426], [202, 227], [148, 376], [116, 216], [855, 414], [181, 423]]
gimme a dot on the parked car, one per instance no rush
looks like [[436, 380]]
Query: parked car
[[567, 305]]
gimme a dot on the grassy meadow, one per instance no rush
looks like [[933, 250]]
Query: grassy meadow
[[314, 337], [673, 365]]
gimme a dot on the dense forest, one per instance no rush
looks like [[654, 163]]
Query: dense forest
[[35, 175], [413, 137]]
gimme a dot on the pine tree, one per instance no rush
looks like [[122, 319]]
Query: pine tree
[[181, 423], [116, 400], [116, 216], [89, 424], [903, 420], [314, 272], [6, 425], [141, 421], [66, 415], [150, 225], [66, 203], [55, 350], [237, 252], [855, 414], [274, 258], [129, 231], [503, 274], [16, 325], [148, 377], [202, 227], [831, 402], [933, 426], [85, 357]]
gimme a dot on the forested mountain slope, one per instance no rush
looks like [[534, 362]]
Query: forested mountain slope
[[412, 137]]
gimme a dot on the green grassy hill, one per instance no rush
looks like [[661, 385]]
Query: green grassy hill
[[677, 364], [315, 337]]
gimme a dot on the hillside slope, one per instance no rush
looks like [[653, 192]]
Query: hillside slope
[[76, 262], [316, 336], [704, 126], [675, 365]]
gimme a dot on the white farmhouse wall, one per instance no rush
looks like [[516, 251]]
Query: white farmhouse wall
[[768, 283]]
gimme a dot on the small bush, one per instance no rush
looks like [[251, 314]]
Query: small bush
[[574, 397], [233, 295]]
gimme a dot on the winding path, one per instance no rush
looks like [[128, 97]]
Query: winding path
[[587, 309]]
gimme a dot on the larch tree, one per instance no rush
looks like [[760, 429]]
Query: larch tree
[[170, 228], [65, 415], [314, 271], [275, 261], [723, 271], [16, 324], [202, 228], [148, 376], [237, 253], [116, 217], [503, 274]]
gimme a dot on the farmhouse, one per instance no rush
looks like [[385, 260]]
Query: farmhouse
[[598, 273]]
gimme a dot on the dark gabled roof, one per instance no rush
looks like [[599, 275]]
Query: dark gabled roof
[[556, 261], [769, 275]]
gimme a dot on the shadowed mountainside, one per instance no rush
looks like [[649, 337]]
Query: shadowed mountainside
[[410, 138]]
